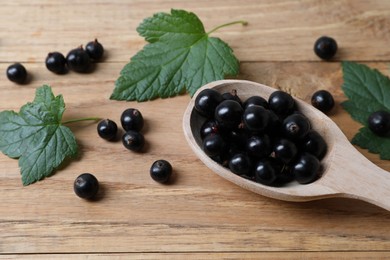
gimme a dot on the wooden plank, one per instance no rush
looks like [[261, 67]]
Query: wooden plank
[[277, 30]]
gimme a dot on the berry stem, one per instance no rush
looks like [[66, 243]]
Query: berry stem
[[228, 24], [81, 119]]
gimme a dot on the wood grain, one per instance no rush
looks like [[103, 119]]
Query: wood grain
[[198, 215]]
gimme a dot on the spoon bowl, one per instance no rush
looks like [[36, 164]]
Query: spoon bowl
[[345, 172]]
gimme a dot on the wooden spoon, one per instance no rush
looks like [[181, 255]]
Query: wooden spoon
[[346, 172]]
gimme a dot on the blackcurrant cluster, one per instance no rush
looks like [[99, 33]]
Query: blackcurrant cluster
[[132, 122], [267, 141], [78, 59]]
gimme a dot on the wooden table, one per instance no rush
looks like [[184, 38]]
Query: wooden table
[[199, 215]]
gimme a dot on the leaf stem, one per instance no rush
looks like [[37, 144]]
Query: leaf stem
[[81, 119], [228, 24]]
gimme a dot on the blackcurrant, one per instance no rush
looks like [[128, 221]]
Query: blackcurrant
[[78, 60], [285, 150], [325, 47], [379, 122], [232, 95], [259, 146], [267, 171], [281, 103], [314, 144], [161, 171], [132, 119], [133, 140], [107, 129], [94, 49], [213, 144], [322, 100], [17, 73], [255, 118], [209, 127], [295, 126], [56, 62], [255, 100], [228, 113], [306, 169], [237, 138], [240, 164], [206, 102], [86, 186]]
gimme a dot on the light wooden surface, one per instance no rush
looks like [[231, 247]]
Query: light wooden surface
[[199, 215]]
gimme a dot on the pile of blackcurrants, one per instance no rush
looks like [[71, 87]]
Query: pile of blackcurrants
[[267, 141]]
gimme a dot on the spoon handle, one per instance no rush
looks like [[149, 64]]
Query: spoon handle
[[362, 180]]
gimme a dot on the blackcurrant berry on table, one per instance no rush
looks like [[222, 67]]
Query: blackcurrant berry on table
[[285, 150], [17, 73], [314, 144], [94, 50], [56, 62], [325, 47], [379, 122], [78, 60], [281, 103], [228, 114], [267, 171], [133, 140], [132, 119], [213, 144], [161, 171], [240, 164], [107, 129], [255, 118], [322, 100], [86, 186], [306, 169], [295, 126], [206, 102], [255, 100]]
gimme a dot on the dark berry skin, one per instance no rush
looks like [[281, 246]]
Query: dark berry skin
[[228, 113], [213, 145], [259, 146], [255, 118], [267, 171], [232, 96], [325, 47], [78, 60], [255, 100], [133, 140], [295, 126], [206, 102], [132, 119], [240, 164], [379, 123], [285, 150], [161, 171], [322, 100], [281, 103], [306, 169], [17, 73], [86, 186], [94, 49], [107, 129], [56, 62], [236, 138], [314, 144], [209, 127]]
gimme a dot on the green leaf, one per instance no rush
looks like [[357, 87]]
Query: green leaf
[[367, 91], [35, 136], [180, 57]]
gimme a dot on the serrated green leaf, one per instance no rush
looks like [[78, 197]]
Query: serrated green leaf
[[375, 144], [181, 56], [367, 91], [366, 88], [36, 136]]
